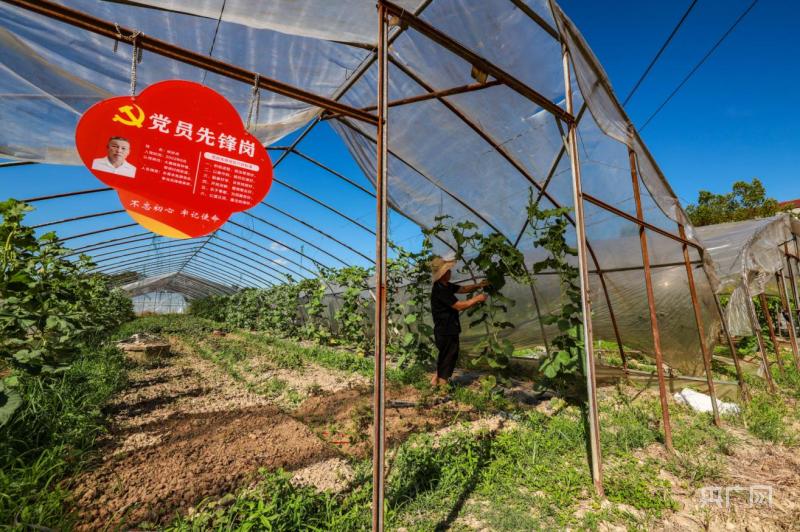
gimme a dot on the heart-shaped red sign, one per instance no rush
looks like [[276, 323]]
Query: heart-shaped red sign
[[179, 156]]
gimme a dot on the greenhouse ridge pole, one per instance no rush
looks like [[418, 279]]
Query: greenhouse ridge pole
[[698, 319], [586, 305], [113, 31], [751, 313], [784, 295], [651, 303], [732, 348], [762, 299], [381, 189]]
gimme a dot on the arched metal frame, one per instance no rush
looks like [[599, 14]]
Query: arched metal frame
[[208, 262]]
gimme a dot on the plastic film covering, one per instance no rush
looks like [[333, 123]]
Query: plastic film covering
[[160, 303], [475, 156], [748, 252], [189, 286]]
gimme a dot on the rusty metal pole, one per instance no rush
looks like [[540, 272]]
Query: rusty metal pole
[[698, 318], [651, 303], [784, 295], [583, 267], [732, 348], [381, 189], [762, 298], [751, 313], [792, 280]]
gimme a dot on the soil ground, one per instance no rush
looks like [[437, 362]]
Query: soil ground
[[184, 431]]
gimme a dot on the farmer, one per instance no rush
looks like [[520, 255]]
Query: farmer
[[445, 307]]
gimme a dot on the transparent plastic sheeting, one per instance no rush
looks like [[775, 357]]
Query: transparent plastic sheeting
[[160, 303], [474, 156], [192, 287], [749, 252]]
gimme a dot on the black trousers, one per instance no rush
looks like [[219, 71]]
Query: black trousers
[[448, 346]]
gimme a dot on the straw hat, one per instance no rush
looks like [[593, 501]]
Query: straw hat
[[439, 267]]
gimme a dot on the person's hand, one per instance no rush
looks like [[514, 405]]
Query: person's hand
[[480, 298]]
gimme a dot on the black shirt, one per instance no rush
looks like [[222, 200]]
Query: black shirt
[[445, 317]]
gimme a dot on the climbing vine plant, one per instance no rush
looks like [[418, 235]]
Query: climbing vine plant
[[351, 316], [563, 364], [312, 292]]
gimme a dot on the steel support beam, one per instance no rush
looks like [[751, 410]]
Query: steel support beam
[[651, 303], [586, 304], [381, 190], [698, 319]]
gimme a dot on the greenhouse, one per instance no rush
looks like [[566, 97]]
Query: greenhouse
[[483, 132]]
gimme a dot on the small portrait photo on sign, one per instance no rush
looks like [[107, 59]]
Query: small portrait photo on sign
[[115, 160]]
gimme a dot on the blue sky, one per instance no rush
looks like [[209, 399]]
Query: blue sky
[[733, 120]]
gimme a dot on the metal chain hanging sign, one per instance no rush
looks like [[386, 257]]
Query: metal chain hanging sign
[[178, 155]]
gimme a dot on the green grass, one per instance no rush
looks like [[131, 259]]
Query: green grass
[[48, 438], [765, 417]]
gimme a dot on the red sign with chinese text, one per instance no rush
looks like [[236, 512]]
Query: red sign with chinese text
[[178, 155]]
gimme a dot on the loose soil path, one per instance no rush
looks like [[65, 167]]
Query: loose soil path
[[184, 431]]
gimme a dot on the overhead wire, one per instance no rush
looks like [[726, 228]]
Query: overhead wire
[[699, 63], [658, 54]]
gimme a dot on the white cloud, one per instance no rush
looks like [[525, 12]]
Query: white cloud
[[282, 262], [277, 247]]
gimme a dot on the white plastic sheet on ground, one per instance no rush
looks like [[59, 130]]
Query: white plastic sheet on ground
[[441, 156]]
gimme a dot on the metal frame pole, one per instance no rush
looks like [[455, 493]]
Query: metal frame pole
[[583, 266], [381, 189], [651, 303], [698, 318], [762, 299], [732, 348], [784, 295], [792, 280], [751, 313]]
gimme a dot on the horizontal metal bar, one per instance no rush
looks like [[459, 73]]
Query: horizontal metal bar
[[316, 263], [206, 62], [303, 240], [472, 87], [210, 253], [245, 257], [76, 218], [67, 194], [622, 214], [321, 232], [15, 163], [180, 258], [475, 60], [325, 205], [154, 251], [334, 172], [262, 235], [113, 242], [152, 247], [268, 259], [97, 232]]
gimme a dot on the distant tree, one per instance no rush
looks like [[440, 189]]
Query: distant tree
[[745, 202]]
